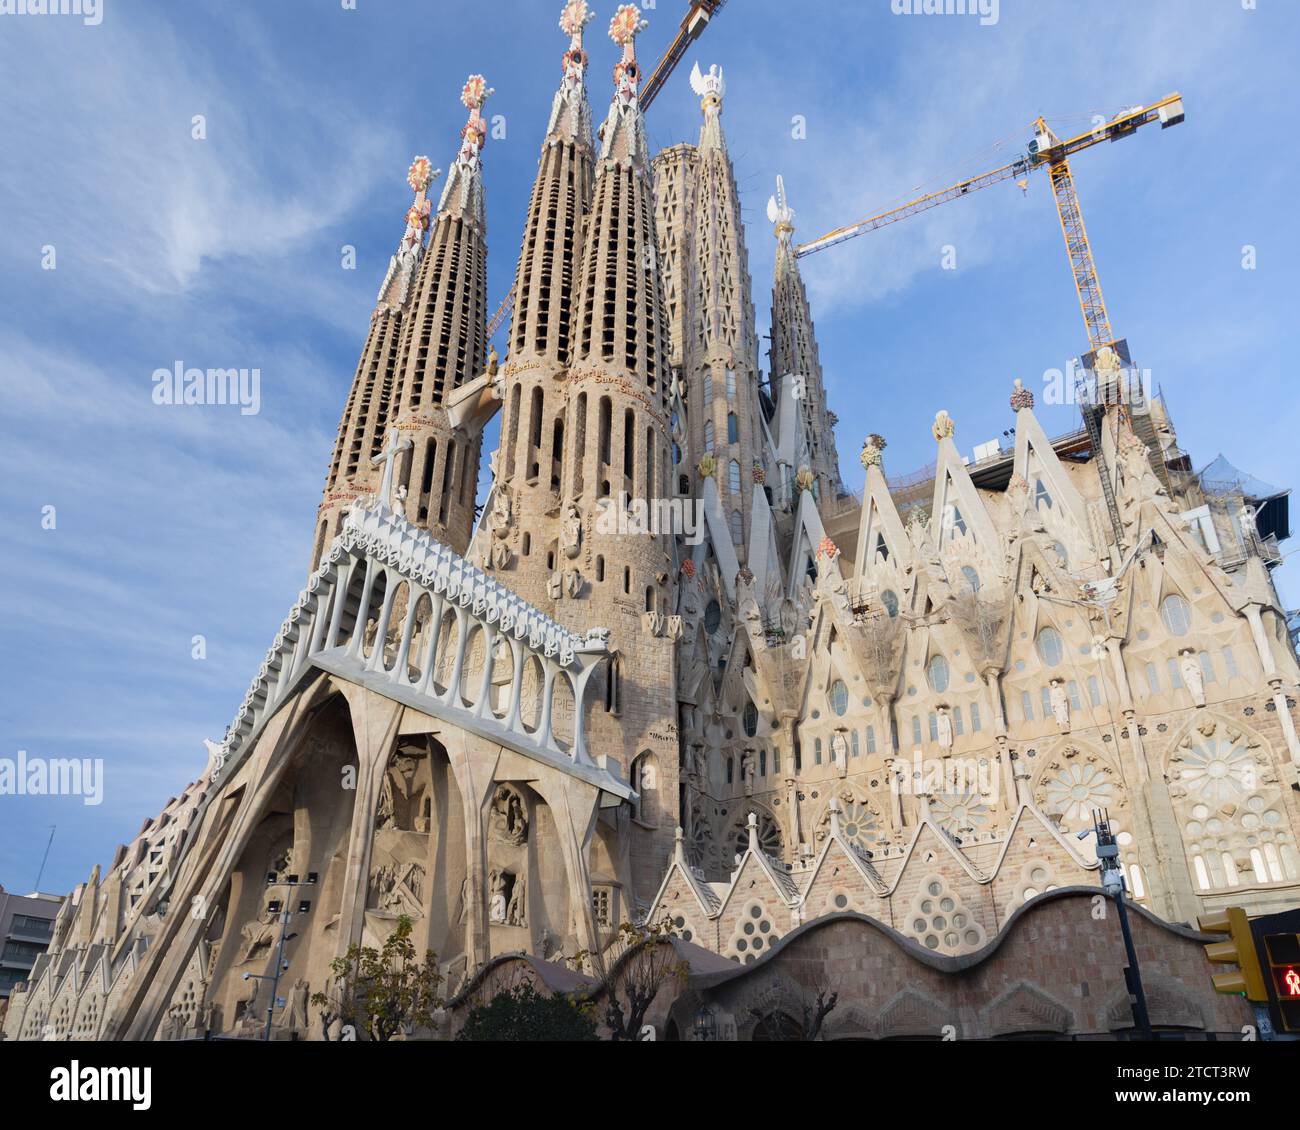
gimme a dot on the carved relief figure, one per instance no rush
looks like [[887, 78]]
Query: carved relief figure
[[259, 935], [509, 820]]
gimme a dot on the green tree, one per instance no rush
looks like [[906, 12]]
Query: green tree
[[522, 1013], [383, 991]]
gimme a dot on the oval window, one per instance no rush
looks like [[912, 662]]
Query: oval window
[[938, 674], [839, 697], [889, 599], [751, 719], [1177, 615], [1050, 649], [712, 617], [972, 577]]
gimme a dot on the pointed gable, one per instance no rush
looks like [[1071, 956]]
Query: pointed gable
[[957, 512]]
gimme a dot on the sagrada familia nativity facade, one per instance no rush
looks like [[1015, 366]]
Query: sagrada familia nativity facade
[[674, 669]]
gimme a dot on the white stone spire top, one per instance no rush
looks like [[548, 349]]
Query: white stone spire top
[[711, 88], [708, 86], [780, 213]]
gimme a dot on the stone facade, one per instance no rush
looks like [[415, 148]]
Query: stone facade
[[676, 670]]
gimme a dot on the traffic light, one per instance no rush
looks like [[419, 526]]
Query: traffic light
[[1239, 950], [1282, 953]]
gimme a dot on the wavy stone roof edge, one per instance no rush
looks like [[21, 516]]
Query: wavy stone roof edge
[[944, 963]]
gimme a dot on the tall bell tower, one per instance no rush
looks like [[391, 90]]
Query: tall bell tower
[[445, 346]]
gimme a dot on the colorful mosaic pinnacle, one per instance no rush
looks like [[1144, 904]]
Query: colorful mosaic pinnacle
[[1021, 397], [872, 448], [473, 95], [576, 16], [420, 174]]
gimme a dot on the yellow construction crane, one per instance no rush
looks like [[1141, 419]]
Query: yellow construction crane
[[1046, 151], [692, 27]]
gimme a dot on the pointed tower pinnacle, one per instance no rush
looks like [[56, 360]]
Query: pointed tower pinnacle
[[720, 353], [794, 351], [570, 112], [711, 88], [623, 134], [444, 343]]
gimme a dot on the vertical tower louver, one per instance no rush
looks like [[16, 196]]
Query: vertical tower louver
[[619, 452], [366, 415], [520, 534], [444, 345]]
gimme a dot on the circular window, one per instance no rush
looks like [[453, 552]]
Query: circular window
[[839, 697], [1176, 614], [972, 577], [938, 674], [1050, 649], [889, 599], [750, 719], [712, 617]]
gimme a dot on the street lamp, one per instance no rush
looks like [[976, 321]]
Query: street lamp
[[1112, 882], [706, 1024], [293, 883]]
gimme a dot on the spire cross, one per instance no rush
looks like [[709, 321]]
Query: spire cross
[[387, 457]]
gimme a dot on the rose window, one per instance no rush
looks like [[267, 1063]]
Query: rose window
[[1075, 791], [1216, 771], [959, 812]]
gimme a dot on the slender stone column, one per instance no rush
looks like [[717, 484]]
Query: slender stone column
[[374, 728]]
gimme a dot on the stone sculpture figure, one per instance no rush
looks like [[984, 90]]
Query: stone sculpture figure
[[497, 908], [944, 728], [509, 819], [258, 934], [1193, 676], [1060, 704], [515, 911], [571, 531]]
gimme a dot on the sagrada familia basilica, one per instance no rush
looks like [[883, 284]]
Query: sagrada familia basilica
[[672, 668]]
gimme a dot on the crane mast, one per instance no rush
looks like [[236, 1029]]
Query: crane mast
[[1047, 151]]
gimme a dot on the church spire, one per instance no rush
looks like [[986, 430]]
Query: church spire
[[794, 349], [463, 194], [623, 134], [711, 88], [365, 416], [570, 111], [444, 343]]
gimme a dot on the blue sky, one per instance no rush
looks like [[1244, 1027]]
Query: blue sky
[[173, 522]]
